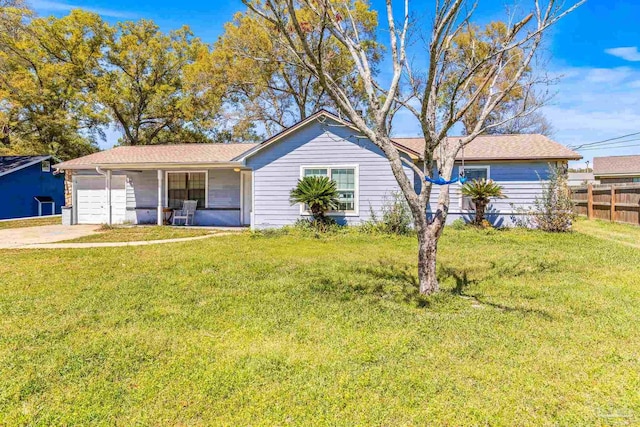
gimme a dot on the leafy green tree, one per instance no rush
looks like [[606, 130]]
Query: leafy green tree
[[143, 87], [481, 191], [47, 95], [267, 83], [319, 193]]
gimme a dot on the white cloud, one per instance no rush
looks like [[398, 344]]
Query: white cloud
[[608, 75], [593, 104], [57, 6], [627, 53]]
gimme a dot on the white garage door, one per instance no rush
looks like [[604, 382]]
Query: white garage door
[[91, 199]]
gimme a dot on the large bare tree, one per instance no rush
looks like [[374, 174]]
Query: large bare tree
[[438, 93]]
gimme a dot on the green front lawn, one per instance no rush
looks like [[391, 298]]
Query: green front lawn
[[617, 232], [530, 329], [33, 222], [139, 233]]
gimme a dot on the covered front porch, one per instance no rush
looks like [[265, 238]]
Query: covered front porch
[[150, 195]]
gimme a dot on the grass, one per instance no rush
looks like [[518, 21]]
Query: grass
[[529, 329], [134, 234], [32, 222], [622, 233]]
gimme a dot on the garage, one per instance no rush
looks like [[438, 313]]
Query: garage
[[91, 199]]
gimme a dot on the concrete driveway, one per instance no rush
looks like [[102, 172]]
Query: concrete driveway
[[23, 237]]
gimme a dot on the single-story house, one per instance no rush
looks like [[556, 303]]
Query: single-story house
[[576, 179], [29, 187], [249, 184], [617, 169]]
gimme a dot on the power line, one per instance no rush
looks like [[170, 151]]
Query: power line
[[611, 148], [608, 145], [588, 144]]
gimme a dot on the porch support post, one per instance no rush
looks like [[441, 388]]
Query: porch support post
[[108, 188], [160, 204], [242, 184]]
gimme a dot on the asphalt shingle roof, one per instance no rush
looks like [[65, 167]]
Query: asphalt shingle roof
[[616, 165], [502, 147], [164, 154]]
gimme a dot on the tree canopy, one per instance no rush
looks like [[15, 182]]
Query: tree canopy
[[268, 84], [47, 98], [143, 86], [63, 81]]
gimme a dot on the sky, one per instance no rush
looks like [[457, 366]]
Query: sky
[[595, 53]]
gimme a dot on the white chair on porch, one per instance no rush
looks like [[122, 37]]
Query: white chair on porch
[[187, 212]]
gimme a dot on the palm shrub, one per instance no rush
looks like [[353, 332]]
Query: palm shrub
[[481, 191], [319, 193]]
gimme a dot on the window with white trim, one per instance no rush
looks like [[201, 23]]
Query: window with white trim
[[473, 173], [183, 186], [46, 165], [345, 179]]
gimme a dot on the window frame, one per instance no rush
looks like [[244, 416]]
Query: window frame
[[45, 166], [356, 185], [472, 166], [206, 185]]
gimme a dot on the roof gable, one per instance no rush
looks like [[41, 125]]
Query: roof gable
[[10, 164], [316, 117]]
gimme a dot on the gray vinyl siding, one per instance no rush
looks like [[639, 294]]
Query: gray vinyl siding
[[522, 182], [223, 198], [277, 170], [142, 189], [224, 189]]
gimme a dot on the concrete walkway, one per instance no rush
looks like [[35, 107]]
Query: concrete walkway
[[116, 244], [44, 234]]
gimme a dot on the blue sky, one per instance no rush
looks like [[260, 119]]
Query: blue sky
[[595, 51]]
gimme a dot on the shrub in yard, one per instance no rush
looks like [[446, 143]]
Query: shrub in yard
[[324, 225], [481, 191], [319, 194], [458, 224], [396, 217], [553, 210]]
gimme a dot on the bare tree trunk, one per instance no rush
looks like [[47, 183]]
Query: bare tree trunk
[[427, 250]]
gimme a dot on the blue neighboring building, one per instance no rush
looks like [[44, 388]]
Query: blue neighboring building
[[29, 187]]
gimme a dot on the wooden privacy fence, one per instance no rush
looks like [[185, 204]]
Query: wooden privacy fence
[[613, 202]]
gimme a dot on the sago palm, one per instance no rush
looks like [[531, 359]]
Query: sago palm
[[319, 193], [481, 191]]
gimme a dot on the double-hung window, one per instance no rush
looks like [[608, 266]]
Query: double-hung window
[[473, 173], [183, 186], [346, 178]]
